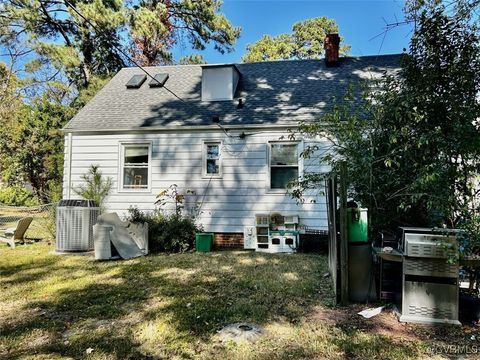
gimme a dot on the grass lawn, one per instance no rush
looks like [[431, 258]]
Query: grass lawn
[[171, 306]]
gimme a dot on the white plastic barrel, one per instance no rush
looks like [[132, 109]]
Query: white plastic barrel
[[101, 236]]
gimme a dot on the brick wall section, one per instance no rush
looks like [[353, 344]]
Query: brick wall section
[[228, 240]]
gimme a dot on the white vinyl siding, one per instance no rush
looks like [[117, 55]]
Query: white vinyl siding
[[228, 203]]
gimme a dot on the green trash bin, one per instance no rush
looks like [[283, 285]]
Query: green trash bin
[[357, 225], [203, 242]]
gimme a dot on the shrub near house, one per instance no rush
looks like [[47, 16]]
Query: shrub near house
[[168, 230]]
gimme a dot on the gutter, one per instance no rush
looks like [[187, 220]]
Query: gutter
[[69, 167], [181, 128]]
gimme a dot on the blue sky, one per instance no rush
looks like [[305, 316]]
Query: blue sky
[[359, 22]]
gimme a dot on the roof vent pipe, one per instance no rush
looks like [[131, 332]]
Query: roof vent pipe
[[240, 104], [332, 49]]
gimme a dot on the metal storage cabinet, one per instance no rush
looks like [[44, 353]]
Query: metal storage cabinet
[[429, 281], [428, 302]]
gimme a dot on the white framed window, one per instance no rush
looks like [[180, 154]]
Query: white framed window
[[135, 166], [283, 164], [212, 159]]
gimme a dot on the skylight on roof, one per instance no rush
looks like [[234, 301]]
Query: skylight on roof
[[158, 80], [136, 81]]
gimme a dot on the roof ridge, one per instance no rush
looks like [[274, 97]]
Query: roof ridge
[[358, 57], [374, 56]]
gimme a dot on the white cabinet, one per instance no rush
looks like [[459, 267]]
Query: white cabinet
[[276, 233]]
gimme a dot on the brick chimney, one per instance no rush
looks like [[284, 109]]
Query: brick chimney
[[332, 46]]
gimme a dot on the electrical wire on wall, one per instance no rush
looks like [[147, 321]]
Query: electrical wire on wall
[[230, 146], [199, 210]]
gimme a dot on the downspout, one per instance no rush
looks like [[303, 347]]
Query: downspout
[[69, 166]]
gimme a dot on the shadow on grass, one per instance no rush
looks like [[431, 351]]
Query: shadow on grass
[[171, 305], [18, 274], [358, 345], [198, 293]]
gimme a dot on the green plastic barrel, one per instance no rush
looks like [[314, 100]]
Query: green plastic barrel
[[203, 242], [357, 225]]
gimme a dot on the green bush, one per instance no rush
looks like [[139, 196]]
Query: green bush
[[167, 232], [95, 186], [18, 196]]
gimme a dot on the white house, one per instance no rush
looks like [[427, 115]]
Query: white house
[[220, 131]]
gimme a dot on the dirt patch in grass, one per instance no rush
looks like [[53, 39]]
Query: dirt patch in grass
[[386, 324], [347, 318]]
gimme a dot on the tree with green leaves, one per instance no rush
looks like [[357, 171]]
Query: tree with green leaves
[[306, 41], [31, 143], [156, 25], [10, 102], [9, 98], [413, 148], [61, 39], [462, 8], [193, 59], [79, 39], [31, 146]]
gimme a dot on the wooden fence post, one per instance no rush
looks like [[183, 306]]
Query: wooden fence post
[[333, 264], [343, 235]]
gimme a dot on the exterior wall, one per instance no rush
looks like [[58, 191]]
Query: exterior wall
[[227, 204], [218, 83], [228, 240]]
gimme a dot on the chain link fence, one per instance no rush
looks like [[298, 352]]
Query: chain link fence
[[43, 223]]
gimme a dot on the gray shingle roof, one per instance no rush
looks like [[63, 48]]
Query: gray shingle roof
[[276, 92]]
